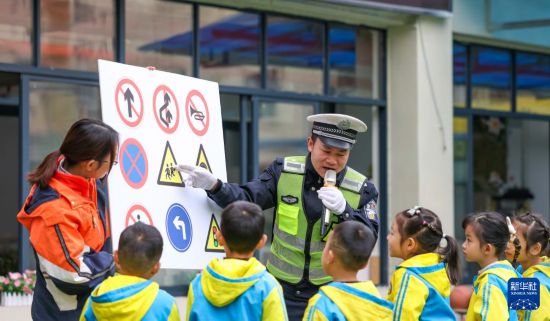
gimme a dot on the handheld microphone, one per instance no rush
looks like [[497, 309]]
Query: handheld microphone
[[330, 181]]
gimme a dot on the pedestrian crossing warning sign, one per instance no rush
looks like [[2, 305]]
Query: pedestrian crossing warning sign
[[168, 174], [212, 244], [202, 160]]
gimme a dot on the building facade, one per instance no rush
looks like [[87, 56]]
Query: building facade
[[456, 95]]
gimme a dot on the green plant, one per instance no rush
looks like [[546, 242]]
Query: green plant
[[16, 282]]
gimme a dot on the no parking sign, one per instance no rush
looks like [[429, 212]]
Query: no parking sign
[[163, 119]]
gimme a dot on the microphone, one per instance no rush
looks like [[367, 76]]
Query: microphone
[[330, 181]]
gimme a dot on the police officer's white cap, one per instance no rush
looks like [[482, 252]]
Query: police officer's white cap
[[337, 130]]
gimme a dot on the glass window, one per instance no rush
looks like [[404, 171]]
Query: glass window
[[275, 142], [461, 178], [54, 107], [511, 165], [533, 83], [353, 61], [460, 129], [159, 34], [15, 31], [75, 33], [364, 159], [229, 47], [459, 75], [9, 193], [491, 78], [294, 55], [232, 135], [9, 85]]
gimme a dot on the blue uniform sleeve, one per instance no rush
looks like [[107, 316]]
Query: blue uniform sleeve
[[366, 213], [261, 190]]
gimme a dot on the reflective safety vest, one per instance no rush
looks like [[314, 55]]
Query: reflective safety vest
[[297, 245]]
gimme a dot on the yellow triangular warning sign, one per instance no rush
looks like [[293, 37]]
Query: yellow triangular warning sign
[[202, 160], [168, 174], [212, 244]]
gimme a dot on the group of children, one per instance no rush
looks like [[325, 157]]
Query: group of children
[[239, 287]]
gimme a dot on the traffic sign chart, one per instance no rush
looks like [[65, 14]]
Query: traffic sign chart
[[202, 160], [133, 163], [129, 103], [138, 213], [212, 244], [168, 174], [165, 107], [196, 112], [179, 228]]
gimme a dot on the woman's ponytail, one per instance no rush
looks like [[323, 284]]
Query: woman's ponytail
[[450, 256], [44, 172]]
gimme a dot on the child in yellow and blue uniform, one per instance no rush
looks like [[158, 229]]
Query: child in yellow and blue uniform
[[421, 285], [237, 287], [487, 236], [347, 251], [533, 234], [130, 295]]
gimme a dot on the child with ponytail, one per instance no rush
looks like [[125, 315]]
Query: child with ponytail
[[487, 236], [421, 284], [533, 236]]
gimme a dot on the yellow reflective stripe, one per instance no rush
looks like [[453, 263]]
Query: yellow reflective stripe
[[317, 276], [352, 185], [283, 270], [288, 239], [315, 246], [286, 253], [294, 167]]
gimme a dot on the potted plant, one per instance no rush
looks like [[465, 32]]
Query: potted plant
[[17, 288]]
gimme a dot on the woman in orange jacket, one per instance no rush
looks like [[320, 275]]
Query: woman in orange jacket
[[67, 219]]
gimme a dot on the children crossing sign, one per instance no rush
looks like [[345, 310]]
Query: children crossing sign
[[164, 119], [168, 175]]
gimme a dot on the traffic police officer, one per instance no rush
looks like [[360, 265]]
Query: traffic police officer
[[294, 187]]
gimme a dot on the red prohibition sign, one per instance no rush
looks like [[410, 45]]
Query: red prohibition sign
[[132, 219], [163, 113], [133, 163], [128, 112], [195, 114]]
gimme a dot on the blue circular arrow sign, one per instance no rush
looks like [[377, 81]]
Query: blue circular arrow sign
[[178, 227]]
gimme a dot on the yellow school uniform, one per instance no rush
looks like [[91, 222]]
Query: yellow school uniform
[[489, 298], [339, 301], [420, 290], [540, 271]]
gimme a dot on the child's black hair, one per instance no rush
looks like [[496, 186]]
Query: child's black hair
[[352, 243], [139, 248], [242, 226], [424, 226], [489, 228], [537, 231]]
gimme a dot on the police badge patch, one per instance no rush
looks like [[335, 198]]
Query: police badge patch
[[370, 210], [289, 199]]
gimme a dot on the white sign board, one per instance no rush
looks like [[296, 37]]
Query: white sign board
[[164, 119]]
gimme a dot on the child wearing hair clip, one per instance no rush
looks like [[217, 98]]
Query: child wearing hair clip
[[487, 236], [533, 237], [421, 284]]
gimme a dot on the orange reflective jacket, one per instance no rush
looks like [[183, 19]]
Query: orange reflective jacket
[[67, 223]]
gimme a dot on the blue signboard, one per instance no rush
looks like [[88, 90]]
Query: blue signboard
[[179, 228], [523, 293]]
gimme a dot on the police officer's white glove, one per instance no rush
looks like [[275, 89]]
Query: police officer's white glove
[[198, 177], [332, 199]]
